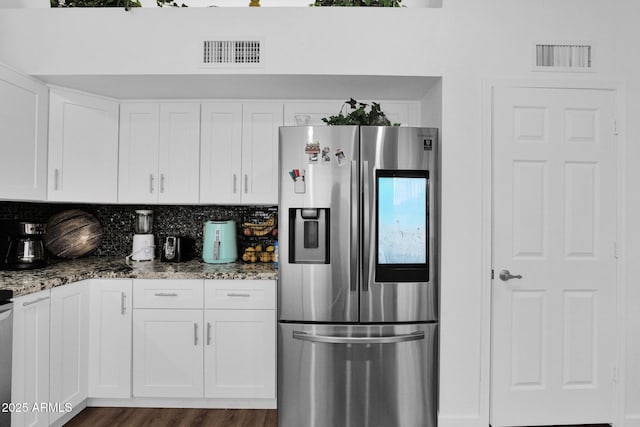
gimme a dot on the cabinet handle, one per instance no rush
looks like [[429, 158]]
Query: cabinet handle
[[165, 294], [151, 183], [162, 183], [230, 294], [123, 308], [195, 334], [246, 183], [56, 179], [35, 301], [235, 183], [208, 333]]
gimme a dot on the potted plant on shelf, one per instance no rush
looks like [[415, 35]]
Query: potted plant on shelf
[[359, 115]]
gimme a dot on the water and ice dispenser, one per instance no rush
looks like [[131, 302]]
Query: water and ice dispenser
[[309, 235]]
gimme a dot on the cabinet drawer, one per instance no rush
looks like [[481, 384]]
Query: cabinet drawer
[[167, 293], [240, 294]]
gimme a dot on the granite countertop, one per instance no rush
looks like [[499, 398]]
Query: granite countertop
[[61, 272]]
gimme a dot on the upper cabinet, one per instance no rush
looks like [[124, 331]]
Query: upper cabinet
[[23, 141], [83, 148], [159, 153], [239, 154]]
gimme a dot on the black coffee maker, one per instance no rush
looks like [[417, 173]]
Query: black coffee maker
[[21, 246]]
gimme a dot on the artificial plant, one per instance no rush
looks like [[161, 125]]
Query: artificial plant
[[127, 4], [359, 115]]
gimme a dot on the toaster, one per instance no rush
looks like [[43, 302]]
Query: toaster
[[175, 249]]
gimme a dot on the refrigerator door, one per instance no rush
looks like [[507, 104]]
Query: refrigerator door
[[357, 375], [317, 224], [399, 233]]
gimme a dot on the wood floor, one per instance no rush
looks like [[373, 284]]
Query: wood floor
[[155, 417]]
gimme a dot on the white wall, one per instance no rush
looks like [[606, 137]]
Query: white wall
[[468, 42]]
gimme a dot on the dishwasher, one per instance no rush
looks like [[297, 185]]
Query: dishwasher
[[6, 345]]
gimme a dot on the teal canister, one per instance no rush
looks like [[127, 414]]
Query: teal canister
[[219, 242]]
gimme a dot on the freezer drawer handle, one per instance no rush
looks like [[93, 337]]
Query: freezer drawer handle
[[298, 335]]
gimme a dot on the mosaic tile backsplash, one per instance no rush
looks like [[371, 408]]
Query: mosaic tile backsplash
[[118, 222]]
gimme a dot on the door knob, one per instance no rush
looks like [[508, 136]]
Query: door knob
[[506, 275]]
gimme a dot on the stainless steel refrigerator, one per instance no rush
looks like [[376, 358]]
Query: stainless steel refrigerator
[[358, 279]]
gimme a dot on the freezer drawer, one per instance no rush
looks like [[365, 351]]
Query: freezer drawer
[[357, 375]]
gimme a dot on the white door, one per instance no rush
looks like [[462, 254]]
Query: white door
[[554, 223], [221, 151], [69, 345], [240, 353], [24, 103], [167, 353], [260, 124], [110, 338], [138, 179], [179, 153], [30, 373], [83, 148]]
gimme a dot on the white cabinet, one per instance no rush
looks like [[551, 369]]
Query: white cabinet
[[239, 161], [167, 353], [239, 356], [83, 148], [240, 339], [69, 345], [110, 338], [24, 103], [167, 338], [159, 153], [30, 372], [221, 153]]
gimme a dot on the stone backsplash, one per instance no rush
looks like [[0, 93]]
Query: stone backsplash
[[118, 221]]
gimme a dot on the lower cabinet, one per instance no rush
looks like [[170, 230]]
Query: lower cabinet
[[167, 353], [69, 347], [240, 354], [226, 350], [110, 338], [30, 371]]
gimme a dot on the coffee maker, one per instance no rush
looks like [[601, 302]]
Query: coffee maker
[[21, 246], [144, 246]]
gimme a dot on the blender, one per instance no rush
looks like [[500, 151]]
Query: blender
[[143, 241]]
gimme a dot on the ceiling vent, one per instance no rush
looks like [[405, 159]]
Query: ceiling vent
[[232, 53], [563, 57]]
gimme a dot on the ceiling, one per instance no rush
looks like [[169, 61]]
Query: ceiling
[[248, 86]]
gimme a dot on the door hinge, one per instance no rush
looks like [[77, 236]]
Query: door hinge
[[614, 373], [615, 250], [492, 274], [615, 127]]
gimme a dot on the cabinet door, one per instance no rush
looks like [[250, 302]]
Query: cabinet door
[[110, 339], [179, 153], [220, 154], [260, 123], [30, 379], [69, 345], [23, 146], [240, 353], [138, 179], [83, 148], [167, 353]]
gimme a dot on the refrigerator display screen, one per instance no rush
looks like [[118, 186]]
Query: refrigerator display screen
[[402, 225]]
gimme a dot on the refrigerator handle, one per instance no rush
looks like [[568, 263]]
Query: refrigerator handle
[[366, 238], [393, 339], [354, 227]]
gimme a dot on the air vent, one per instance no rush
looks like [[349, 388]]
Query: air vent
[[563, 57], [232, 52]]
